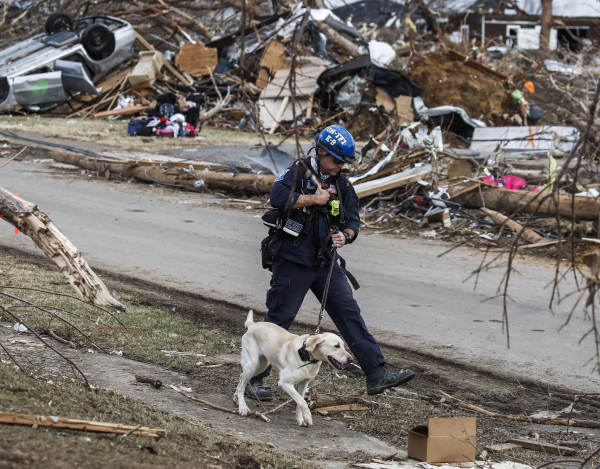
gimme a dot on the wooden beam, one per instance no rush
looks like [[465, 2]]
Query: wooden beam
[[544, 447], [75, 424], [526, 233], [390, 182], [120, 112]]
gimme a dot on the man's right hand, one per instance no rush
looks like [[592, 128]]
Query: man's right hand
[[321, 197]]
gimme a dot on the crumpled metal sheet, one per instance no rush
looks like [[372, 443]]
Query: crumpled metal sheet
[[443, 110], [273, 159], [74, 77]]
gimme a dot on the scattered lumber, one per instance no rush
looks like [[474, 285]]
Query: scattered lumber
[[544, 447], [37, 225], [364, 189], [147, 46], [520, 418], [120, 112], [509, 202], [526, 233], [74, 424]]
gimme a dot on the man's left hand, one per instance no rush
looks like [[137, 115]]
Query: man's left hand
[[338, 239]]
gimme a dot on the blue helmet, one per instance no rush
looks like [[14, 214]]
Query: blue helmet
[[338, 142]]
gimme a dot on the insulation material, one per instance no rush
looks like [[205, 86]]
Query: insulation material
[[197, 59]]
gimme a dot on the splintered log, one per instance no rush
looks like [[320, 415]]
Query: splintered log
[[509, 202], [346, 46], [37, 225], [526, 233], [173, 174]]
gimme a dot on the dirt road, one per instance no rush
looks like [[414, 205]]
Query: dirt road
[[409, 296]]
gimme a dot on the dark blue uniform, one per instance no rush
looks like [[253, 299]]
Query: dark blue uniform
[[301, 269]]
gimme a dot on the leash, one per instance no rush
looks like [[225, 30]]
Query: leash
[[326, 290]]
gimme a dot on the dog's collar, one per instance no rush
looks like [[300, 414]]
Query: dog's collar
[[304, 355]]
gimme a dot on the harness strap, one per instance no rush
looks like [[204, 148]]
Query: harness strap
[[351, 277]]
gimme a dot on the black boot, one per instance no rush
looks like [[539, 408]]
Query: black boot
[[381, 379], [256, 390]]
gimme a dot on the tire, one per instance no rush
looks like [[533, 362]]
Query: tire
[[98, 41], [58, 22]]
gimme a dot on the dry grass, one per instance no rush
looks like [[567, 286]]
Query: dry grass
[[114, 133]]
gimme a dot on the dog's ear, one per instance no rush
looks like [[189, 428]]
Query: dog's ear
[[313, 341]]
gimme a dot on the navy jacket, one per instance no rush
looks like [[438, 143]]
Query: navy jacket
[[286, 190]]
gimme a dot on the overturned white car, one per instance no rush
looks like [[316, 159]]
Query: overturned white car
[[67, 59]]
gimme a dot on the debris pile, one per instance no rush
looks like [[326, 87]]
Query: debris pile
[[453, 123]]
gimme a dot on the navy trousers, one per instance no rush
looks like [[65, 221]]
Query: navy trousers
[[286, 295]]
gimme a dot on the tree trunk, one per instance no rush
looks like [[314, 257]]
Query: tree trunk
[[173, 173], [508, 202], [546, 23], [38, 226]]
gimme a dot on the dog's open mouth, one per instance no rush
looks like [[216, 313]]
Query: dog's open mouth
[[335, 363]]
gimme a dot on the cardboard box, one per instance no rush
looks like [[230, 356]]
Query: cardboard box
[[444, 440]]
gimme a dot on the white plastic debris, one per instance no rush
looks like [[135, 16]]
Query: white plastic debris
[[184, 389], [381, 53], [117, 352], [18, 327]]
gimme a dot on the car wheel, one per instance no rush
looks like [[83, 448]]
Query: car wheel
[[98, 41], [58, 22]]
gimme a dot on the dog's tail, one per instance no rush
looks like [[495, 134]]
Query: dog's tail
[[249, 319]]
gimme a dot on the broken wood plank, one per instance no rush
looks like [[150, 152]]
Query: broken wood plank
[[120, 112], [75, 424], [391, 182], [509, 202], [197, 59], [520, 418], [273, 59], [544, 447], [526, 233], [45, 234], [166, 64], [530, 246], [501, 448], [284, 104]]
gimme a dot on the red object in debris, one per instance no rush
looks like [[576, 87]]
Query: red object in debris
[[513, 183]]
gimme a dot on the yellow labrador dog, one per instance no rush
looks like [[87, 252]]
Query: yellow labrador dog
[[297, 359]]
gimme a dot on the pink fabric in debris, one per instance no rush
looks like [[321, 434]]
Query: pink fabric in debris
[[513, 183]]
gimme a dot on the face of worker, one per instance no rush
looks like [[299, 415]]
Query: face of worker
[[329, 165]]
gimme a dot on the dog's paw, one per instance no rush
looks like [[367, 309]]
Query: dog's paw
[[244, 409], [307, 417]]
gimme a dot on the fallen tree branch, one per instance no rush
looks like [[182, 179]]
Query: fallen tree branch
[[60, 339], [37, 225], [519, 418], [256, 414]]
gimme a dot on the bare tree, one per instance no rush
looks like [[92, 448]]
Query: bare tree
[[546, 22]]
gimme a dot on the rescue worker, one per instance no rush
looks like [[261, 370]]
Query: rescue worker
[[305, 253]]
